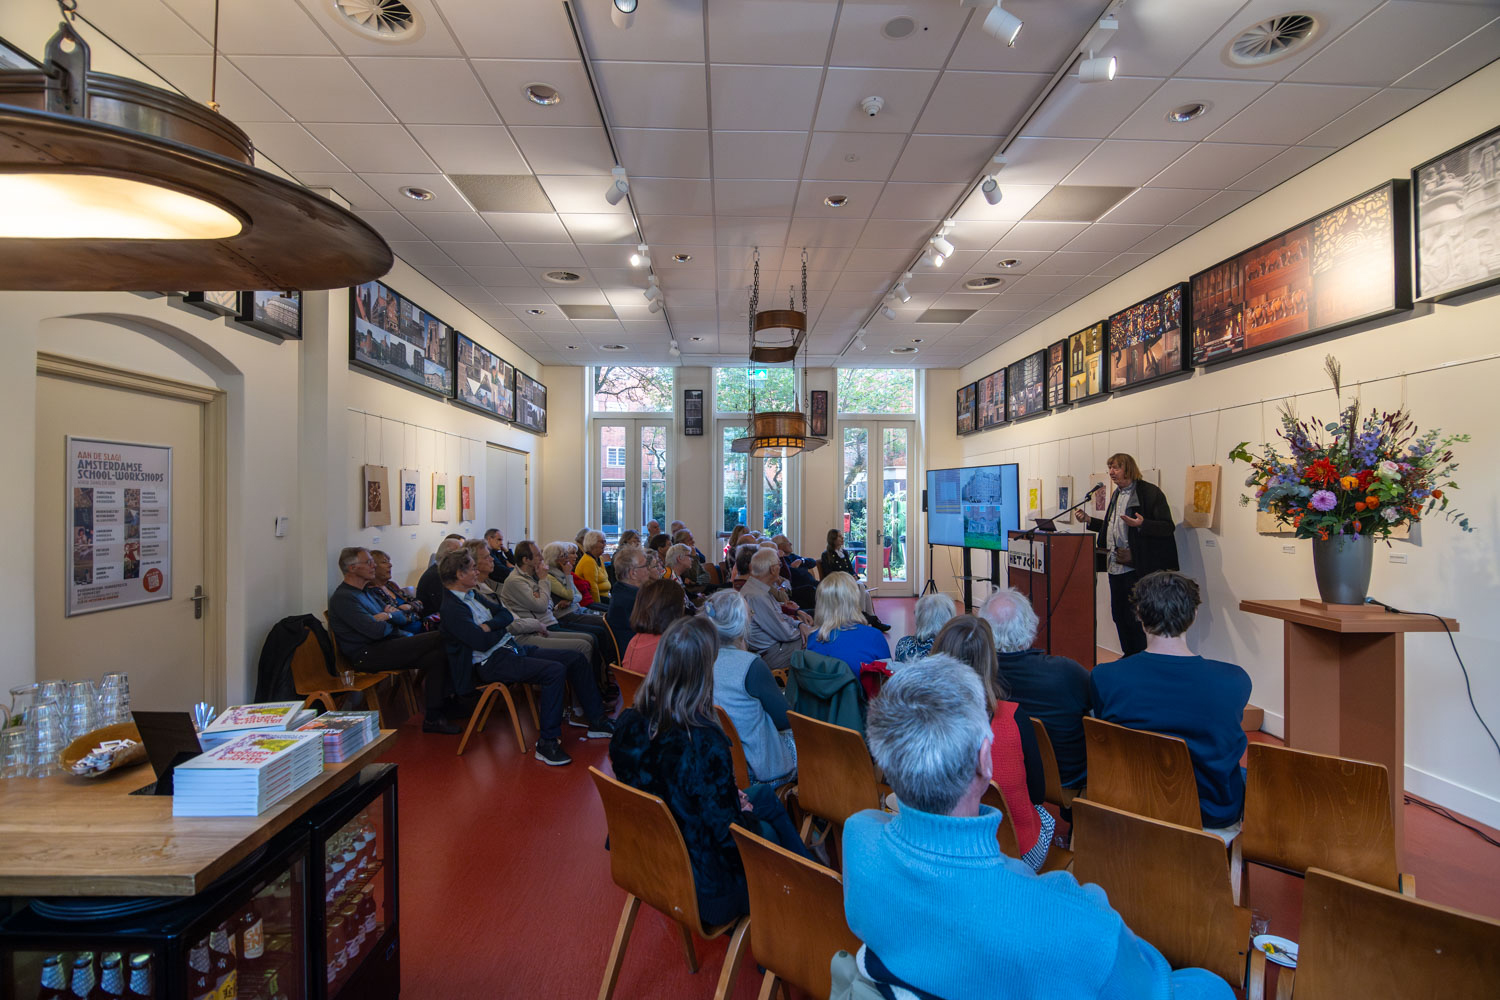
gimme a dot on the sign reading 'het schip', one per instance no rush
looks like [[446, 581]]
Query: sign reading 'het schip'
[[1027, 554]]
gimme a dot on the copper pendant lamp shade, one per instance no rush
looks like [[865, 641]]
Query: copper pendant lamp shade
[[776, 433]]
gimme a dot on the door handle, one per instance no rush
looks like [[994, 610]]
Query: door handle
[[198, 598]]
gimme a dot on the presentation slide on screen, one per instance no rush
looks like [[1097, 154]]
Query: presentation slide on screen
[[973, 508]]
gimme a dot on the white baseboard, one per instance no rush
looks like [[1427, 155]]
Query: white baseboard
[[1273, 723], [1460, 799]]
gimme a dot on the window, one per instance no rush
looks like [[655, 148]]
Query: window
[[877, 390], [774, 388], [622, 389], [614, 457]]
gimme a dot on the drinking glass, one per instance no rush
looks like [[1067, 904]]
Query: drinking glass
[[45, 738], [13, 752], [49, 691], [114, 699], [80, 709]]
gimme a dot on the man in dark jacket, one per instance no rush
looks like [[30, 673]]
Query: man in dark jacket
[[481, 650], [1137, 530], [632, 572], [505, 559], [430, 586]]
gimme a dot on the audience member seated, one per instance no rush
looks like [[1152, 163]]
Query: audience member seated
[[1014, 752], [836, 559], [735, 535], [481, 650], [680, 533], [560, 558], [798, 568], [939, 908], [745, 689], [479, 550], [632, 572], [527, 595], [839, 629], [591, 566], [679, 563], [370, 636], [932, 613], [432, 560], [657, 606], [653, 528], [389, 593], [670, 744], [774, 634], [627, 538], [505, 560], [1168, 689], [657, 545], [430, 586], [1054, 689]]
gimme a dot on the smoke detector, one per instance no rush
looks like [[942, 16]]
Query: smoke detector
[[388, 21], [1271, 40], [872, 105], [898, 27]]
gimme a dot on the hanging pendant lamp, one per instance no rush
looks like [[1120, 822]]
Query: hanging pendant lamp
[[779, 432], [109, 184]]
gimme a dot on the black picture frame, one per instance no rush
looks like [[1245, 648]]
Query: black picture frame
[[276, 313], [1086, 350], [989, 401], [383, 322], [1345, 266], [966, 410], [482, 380], [531, 404], [214, 303], [692, 413], [1147, 340], [1057, 374], [1441, 200], [819, 415], [1026, 386]]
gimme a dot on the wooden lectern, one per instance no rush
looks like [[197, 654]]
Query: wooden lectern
[[1345, 682], [1056, 570]]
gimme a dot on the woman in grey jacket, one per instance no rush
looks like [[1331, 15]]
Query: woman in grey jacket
[[746, 691], [527, 596]]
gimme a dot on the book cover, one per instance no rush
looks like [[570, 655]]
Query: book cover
[[264, 715]]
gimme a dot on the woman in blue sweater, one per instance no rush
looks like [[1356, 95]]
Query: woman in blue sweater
[[839, 627]]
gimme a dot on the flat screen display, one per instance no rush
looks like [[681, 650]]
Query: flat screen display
[[485, 381], [973, 508], [531, 403], [1026, 386]]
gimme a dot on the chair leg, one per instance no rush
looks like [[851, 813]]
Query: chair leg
[[409, 690], [1236, 871], [806, 827], [767, 986], [731, 969], [484, 697], [688, 950], [536, 717], [515, 720], [372, 701], [1286, 981], [497, 693], [617, 950]]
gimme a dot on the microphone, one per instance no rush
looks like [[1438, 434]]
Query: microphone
[[1094, 489]]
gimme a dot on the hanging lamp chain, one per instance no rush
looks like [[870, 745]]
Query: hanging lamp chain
[[213, 71], [69, 9]]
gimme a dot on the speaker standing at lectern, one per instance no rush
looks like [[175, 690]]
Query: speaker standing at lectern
[[1137, 531]]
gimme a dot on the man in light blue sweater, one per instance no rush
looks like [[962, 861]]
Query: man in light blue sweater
[[940, 910]]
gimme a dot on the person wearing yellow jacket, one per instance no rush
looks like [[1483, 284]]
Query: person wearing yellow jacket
[[591, 565]]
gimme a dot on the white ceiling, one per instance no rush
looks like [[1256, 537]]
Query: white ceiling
[[735, 118]]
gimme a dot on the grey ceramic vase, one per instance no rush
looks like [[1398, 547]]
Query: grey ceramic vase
[[1342, 567]]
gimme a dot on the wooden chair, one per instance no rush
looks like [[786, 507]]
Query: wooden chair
[[1168, 882], [835, 775], [1058, 858], [649, 860], [1056, 793], [311, 679], [488, 695], [736, 749], [1359, 940], [630, 682], [401, 679], [1145, 773], [1311, 810], [796, 916]]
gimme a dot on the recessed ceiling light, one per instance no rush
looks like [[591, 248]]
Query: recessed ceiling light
[[916, 340], [613, 347], [562, 277], [904, 350], [851, 157], [1187, 112], [1008, 262], [836, 200], [682, 258], [898, 27], [534, 312], [696, 339], [541, 93], [984, 283], [572, 347]]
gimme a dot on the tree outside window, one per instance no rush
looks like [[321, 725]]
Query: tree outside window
[[877, 390], [774, 388], [630, 389]]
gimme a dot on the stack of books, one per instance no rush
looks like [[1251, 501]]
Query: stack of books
[[247, 775], [264, 717], [344, 733]]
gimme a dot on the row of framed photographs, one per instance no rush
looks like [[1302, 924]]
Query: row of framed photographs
[[399, 340], [276, 313]]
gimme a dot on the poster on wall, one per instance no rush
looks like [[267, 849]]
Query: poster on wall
[[692, 414], [1099, 483], [276, 313], [1200, 504], [1145, 340], [214, 303], [990, 401], [1064, 493], [819, 421], [966, 410], [485, 381], [409, 512], [466, 498], [1458, 214], [377, 493], [1086, 363], [120, 534], [1034, 498], [441, 502], [392, 335], [1026, 386], [531, 403], [1057, 374], [1343, 267]]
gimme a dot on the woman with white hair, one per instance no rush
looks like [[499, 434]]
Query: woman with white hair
[[933, 612], [745, 689], [839, 628], [591, 564]]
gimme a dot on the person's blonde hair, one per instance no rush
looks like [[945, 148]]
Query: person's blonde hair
[[678, 691], [837, 605], [1126, 464], [969, 639]]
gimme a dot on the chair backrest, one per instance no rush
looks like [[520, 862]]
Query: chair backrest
[[340, 662], [835, 776], [1360, 940], [1006, 835], [630, 682], [1145, 773], [309, 669], [1311, 810], [1170, 883], [796, 913], [1054, 793], [647, 855], [736, 748]]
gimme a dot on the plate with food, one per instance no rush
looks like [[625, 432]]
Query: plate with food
[[1277, 949]]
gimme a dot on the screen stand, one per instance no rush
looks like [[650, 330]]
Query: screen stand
[[931, 586], [968, 584]]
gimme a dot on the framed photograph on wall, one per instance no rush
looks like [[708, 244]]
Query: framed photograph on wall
[[1086, 362], [410, 513], [819, 421], [1026, 386], [692, 413], [394, 337], [484, 381], [1345, 266], [1457, 199], [214, 303], [442, 499], [1057, 374], [377, 494], [276, 313], [989, 401], [531, 404], [1145, 340], [966, 408]]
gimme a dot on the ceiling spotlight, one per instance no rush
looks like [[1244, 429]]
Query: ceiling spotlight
[[682, 258], [1008, 262], [533, 312], [418, 194], [1003, 25], [655, 305], [1097, 70], [887, 312], [901, 293], [1187, 112], [991, 190], [836, 200], [623, 12], [932, 258], [859, 338], [697, 339], [653, 293], [541, 93], [942, 246], [675, 351], [641, 257], [619, 189]]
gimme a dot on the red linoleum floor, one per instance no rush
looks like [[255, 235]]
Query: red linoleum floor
[[506, 890]]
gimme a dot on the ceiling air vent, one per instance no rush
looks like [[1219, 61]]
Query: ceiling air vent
[[946, 315], [1270, 40], [984, 283], [389, 21], [562, 277], [613, 347], [589, 312], [502, 192]]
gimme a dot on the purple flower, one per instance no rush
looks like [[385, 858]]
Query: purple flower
[[1323, 500]]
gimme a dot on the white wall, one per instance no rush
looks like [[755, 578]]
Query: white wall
[[1441, 361]]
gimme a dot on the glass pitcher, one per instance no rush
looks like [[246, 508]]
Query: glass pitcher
[[22, 697]]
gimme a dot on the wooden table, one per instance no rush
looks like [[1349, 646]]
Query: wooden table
[[1344, 673], [67, 836]]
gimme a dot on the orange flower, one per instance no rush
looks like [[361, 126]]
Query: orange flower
[[1437, 494], [1359, 505], [1414, 512], [1349, 483], [1372, 502], [1356, 527], [1323, 535]]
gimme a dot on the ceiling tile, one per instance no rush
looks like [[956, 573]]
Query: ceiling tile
[[470, 149], [451, 227], [393, 226], [1038, 236], [1036, 160], [1161, 36], [1163, 238], [1213, 165], [763, 98], [374, 148], [315, 88], [291, 147], [429, 91], [864, 35], [1103, 237], [1289, 112], [1122, 263], [491, 254], [823, 232], [418, 253], [1080, 111], [1071, 262], [987, 104], [758, 155], [1156, 206], [445, 198], [1367, 117], [1284, 165], [897, 234], [506, 81], [564, 150], [770, 31], [904, 92], [769, 198], [976, 235], [272, 27], [1016, 201], [600, 228], [1126, 162], [861, 197], [527, 227], [652, 95], [148, 26], [1457, 62], [853, 156], [1334, 19], [917, 201], [672, 196], [1215, 208], [1052, 31], [434, 41], [944, 158], [659, 32], [1403, 32], [447, 276], [1223, 98], [239, 100], [666, 230], [573, 193], [547, 254], [656, 152]]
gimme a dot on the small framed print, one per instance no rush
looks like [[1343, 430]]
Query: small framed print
[[214, 303], [276, 313], [819, 422], [692, 413]]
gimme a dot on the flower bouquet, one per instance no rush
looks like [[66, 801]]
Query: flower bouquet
[[1364, 479]]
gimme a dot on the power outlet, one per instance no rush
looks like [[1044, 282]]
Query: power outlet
[[1290, 550], [1398, 557], [1210, 543]]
